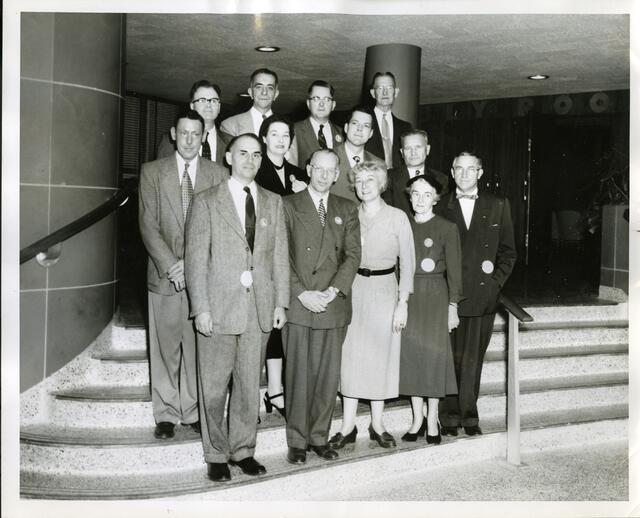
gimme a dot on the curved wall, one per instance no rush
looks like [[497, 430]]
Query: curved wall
[[70, 97]]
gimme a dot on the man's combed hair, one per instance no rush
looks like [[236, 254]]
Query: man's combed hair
[[472, 154], [323, 84], [203, 83], [188, 113], [383, 74], [263, 71]]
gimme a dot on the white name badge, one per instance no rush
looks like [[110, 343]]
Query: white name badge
[[263, 222], [428, 264], [487, 266], [428, 242], [338, 220], [246, 279]]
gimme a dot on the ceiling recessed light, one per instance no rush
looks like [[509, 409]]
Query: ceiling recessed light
[[267, 48], [538, 77], [244, 94]]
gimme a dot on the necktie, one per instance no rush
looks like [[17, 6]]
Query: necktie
[[187, 190], [467, 196], [321, 139], [386, 141], [206, 148], [249, 218], [416, 173], [322, 212], [356, 159]]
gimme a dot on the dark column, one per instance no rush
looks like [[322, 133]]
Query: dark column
[[403, 61], [70, 97]]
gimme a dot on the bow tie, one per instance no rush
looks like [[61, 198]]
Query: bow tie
[[467, 196]]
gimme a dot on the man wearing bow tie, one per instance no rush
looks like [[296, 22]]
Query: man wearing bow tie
[[488, 257]]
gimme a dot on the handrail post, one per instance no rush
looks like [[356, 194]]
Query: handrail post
[[513, 392]]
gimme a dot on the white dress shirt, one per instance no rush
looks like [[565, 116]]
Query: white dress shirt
[[416, 171], [351, 153], [193, 169], [467, 205], [240, 196], [326, 131], [316, 197], [378, 112], [257, 118]]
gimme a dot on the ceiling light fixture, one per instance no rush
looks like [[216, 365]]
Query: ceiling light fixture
[[538, 77], [267, 48], [244, 94]]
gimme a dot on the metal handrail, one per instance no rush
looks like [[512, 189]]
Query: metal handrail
[[41, 245], [516, 315]]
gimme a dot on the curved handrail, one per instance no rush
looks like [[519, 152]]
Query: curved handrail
[[118, 199], [514, 308]]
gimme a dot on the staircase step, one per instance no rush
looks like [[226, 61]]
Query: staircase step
[[123, 356], [188, 474]]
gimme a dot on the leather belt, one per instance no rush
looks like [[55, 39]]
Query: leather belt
[[365, 272]]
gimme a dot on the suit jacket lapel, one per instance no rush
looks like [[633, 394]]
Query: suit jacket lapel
[[228, 209], [171, 185], [262, 212], [204, 177]]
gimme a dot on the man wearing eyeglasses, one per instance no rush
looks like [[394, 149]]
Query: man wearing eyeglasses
[[387, 128], [205, 99], [488, 257], [263, 89], [358, 131], [316, 131], [324, 252]]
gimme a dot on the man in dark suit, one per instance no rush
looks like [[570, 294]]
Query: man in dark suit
[[166, 188], [387, 128], [358, 130], [324, 251], [237, 273], [263, 89], [415, 150], [316, 131], [205, 99], [488, 257]]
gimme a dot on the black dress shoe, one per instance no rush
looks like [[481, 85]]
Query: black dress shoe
[[325, 451], [218, 471], [472, 430], [449, 430], [249, 466], [296, 456], [339, 441], [164, 430], [413, 437], [384, 439], [195, 427], [434, 439]]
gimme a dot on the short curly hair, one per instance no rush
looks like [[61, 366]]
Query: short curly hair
[[378, 168]]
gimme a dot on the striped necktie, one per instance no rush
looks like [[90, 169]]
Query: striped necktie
[[322, 212], [187, 190]]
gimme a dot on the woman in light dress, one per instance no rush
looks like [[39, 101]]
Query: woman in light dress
[[426, 361], [371, 350]]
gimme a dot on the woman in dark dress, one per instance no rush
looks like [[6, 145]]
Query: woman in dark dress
[[426, 359], [278, 176]]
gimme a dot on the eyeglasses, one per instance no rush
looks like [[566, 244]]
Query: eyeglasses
[[468, 170], [324, 170], [204, 100], [317, 99], [418, 195]]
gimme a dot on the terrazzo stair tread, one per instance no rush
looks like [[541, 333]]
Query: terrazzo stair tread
[[559, 350], [193, 480], [584, 400], [124, 355], [575, 337], [106, 393]]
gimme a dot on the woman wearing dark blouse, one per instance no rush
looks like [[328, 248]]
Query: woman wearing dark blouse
[[283, 178]]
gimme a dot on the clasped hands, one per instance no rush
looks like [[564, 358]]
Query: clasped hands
[[317, 301]]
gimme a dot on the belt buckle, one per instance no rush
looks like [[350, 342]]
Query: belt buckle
[[366, 272]]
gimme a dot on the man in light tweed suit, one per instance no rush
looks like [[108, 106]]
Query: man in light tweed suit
[[237, 273]]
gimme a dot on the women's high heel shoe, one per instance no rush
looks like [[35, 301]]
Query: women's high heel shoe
[[384, 439], [269, 406], [413, 437], [434, 439]]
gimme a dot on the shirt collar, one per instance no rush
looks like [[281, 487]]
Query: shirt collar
[[237, 186], [193, 164], [316, 125], [316, 197], [379, 113]]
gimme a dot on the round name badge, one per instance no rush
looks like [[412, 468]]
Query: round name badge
[[246, 279], [428, 264], [338, 220], [428, 242], [263, 222], [338, 138], [487, 266]]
